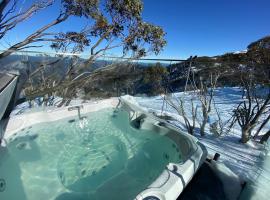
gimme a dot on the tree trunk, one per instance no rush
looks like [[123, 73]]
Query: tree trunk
[[205, 118], [265, 137], [203, 126], [262, 125], [191, 130], [245, 135]]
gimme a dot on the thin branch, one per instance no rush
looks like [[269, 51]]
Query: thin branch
[[30, 39]]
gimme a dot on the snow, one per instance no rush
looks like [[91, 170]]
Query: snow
[[38, 105], [240, 52]]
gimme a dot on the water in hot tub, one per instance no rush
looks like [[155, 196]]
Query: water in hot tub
[[99, 157]]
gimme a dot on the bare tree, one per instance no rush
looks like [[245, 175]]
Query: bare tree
[[205, 94], [179, 106], [250, 111], [203, 88], [221, 126]]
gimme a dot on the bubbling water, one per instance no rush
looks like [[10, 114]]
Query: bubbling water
[[87, 157]]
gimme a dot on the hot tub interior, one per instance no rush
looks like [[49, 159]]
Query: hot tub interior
[[99, 157]]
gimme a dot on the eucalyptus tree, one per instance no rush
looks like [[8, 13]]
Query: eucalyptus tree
[[106, 25], [111, 24]]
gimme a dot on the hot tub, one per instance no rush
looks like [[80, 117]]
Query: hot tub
[[106, 153]]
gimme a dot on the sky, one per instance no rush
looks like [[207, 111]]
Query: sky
[[193, 27]]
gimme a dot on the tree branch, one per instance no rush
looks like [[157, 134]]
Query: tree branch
[[31, 39]]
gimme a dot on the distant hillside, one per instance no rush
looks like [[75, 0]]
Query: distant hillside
[[150, 77]]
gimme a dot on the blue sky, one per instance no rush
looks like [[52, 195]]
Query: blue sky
[[193, 27]]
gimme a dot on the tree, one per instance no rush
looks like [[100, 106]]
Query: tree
[[259, 51], [255, 74], [206, 94], [250, 111], [116, 24], [204, 86], [11, 14], [110, 24], [154, 78], [111, 20], [179, 106]]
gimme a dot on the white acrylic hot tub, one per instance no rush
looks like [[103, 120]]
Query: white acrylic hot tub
[[172, 180]]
